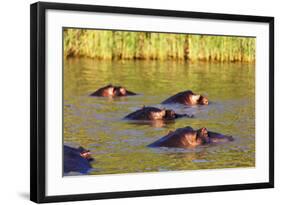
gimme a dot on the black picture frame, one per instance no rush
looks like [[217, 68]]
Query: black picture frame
[[38, 100]]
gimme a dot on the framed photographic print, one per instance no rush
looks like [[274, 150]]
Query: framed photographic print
[[129, 102]]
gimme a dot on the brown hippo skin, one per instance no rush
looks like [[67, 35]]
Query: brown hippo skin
[[187, 98], [153, 113], [187, 138], [112, 91]]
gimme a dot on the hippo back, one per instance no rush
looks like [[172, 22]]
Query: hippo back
[[101, 92], [73, 162], [173, 139], [143, 114], [180, 97]]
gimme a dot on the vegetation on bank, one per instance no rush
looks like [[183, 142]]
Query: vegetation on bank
[[122, 45]]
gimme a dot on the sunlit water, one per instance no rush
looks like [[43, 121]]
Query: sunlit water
[[120, 146]]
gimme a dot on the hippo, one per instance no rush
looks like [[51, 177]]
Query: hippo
[[76, 160], [187, 137], [112, 91], [153, 113], [187, 98]]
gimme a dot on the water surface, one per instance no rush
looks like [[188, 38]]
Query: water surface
[[120, 146]]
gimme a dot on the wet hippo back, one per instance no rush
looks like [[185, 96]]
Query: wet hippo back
[[146, 113], [181, 97], [187, 98], [106, 91], [74, 162], [153, 113], [112, 91], [182, 137], [188, 137]]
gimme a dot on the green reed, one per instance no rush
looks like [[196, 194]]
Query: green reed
[[122, 45]]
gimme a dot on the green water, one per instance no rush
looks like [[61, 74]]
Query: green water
[[120, 146]]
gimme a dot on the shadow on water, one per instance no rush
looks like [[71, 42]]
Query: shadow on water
[[120, 146]]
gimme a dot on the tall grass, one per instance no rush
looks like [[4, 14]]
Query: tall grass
[[123, 45]]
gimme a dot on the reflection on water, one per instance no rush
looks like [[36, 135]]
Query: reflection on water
[[119, 146]]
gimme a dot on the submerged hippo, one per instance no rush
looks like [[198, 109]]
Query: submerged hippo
[[187, 137], [153, 113], [76, 159], [187, 98], [112, 91]]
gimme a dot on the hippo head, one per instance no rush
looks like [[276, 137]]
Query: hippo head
[[203, 100], [170, 115], [86, 154], [203, 136], [120, 91], [219, 138], [198, 100], [206, 137]]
